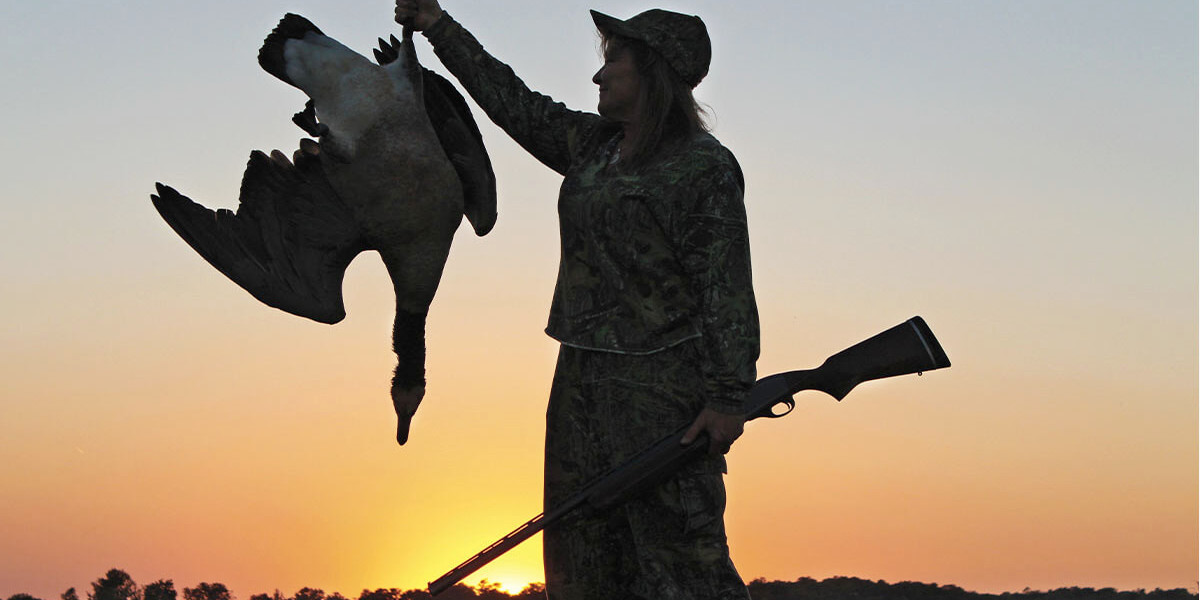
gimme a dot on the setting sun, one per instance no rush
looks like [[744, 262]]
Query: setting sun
[[511, 585]]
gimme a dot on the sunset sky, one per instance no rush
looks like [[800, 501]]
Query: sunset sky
[[1021, 173]]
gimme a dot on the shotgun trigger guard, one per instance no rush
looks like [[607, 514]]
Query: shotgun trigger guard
[[772, 411]]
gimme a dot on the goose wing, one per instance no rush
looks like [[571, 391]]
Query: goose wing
[[288, 243], [460, 138]]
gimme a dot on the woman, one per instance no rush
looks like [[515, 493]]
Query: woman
[[653, 306]]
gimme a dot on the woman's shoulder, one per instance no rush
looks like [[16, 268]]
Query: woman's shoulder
[[700, 154], [699, 150]]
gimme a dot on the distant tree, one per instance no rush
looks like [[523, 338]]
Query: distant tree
[[207, 591], [307, 593], [487, 590], [276, 596], [1173, 594], [115, 585], [69, 595], [336, 596], [458, 591], [761, 589], [22, 597], [380, 594], [163, 589], [418, 595], [533, 591]]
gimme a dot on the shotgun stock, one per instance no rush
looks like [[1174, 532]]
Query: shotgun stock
[[909, 347]]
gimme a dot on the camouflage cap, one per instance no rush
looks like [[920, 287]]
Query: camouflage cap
[[681, 39]]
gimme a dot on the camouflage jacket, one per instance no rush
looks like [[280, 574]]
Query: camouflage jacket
[[650, 259]]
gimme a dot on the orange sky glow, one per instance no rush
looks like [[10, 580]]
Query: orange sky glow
[[1024, 176]]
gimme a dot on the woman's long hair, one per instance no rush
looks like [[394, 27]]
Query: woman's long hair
[[670, 111]]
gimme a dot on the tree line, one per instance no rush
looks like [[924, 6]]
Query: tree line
[[118, 585], [853, 588]]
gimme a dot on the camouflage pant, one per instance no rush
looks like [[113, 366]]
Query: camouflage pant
[[667, 544]]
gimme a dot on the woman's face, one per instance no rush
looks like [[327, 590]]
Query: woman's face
[[620, 85]]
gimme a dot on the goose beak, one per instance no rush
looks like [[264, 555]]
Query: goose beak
[[406, 401]]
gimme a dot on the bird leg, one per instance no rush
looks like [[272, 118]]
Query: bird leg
[[408, 382]]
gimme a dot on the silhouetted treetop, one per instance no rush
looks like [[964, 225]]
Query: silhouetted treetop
[[163, 589], [276, 596], [115, 585], [307, 593], [22, 597], [380, 594], [207, 591]]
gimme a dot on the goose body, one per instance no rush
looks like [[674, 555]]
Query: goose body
[[398, 163]]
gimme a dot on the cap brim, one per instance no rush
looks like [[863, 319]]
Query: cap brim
[[612, 25]]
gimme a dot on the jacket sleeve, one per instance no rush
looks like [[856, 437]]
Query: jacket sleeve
[[548, 130], [713, 241]]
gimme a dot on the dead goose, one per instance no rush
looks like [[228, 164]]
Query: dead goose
[[399, 162]]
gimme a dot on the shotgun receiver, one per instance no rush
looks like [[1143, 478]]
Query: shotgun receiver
[[909, 347]]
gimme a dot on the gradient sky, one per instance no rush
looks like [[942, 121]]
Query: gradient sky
[[1021, 173]]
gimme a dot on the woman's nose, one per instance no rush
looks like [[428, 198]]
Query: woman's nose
[[596, 77]]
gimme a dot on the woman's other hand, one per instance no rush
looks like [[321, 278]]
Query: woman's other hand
[[420, 14], [722, 429]]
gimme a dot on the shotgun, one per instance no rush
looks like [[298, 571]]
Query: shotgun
[[909, 347]]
